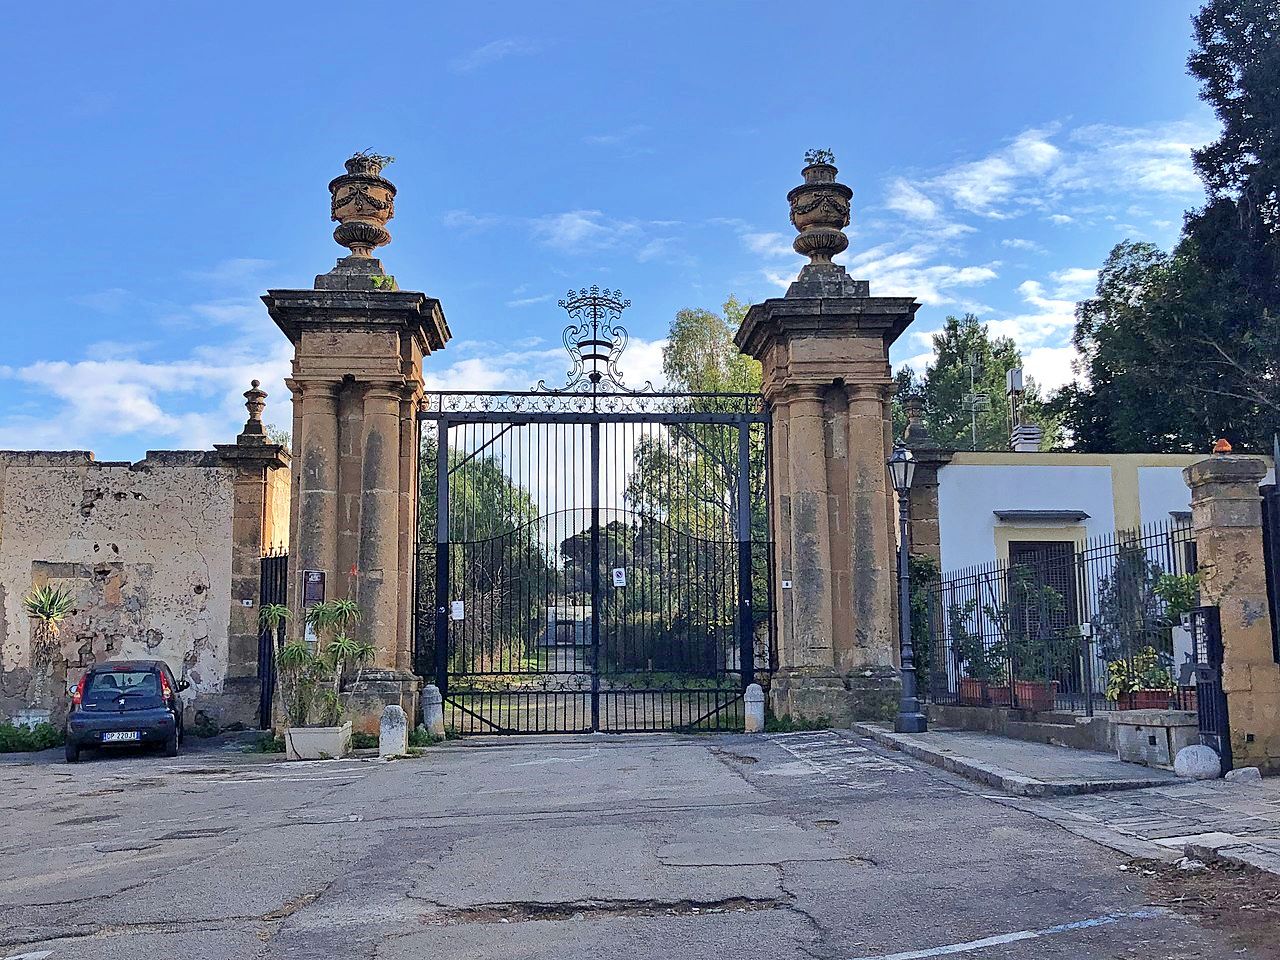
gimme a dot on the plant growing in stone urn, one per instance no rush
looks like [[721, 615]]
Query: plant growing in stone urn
[[310, 675]]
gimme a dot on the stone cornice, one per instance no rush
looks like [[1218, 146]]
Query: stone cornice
[[409, 311], [885, 317]]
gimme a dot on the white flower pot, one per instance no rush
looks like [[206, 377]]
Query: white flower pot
[[317, 743]]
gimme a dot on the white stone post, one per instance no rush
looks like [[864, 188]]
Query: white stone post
[[433, 710], [754, 698], [393, 733]]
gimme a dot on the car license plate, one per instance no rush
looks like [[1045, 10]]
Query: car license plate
[[117, 736]]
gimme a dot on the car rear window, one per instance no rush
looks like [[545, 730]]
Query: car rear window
[[116, 683]]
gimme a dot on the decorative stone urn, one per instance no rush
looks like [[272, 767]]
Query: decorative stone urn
[[820, 209], [363, 201]]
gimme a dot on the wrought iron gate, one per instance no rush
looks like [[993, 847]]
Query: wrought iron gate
[[273, 585], [593, 557], [1211, 699]]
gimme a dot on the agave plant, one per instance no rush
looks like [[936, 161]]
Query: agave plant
[[311, 676], [48, 606]]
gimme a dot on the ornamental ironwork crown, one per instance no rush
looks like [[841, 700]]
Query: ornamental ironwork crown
[[595, 340]]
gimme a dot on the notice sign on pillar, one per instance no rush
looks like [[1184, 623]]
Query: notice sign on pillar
[[312, 595], [619, 576]]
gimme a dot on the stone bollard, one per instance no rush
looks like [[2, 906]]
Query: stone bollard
[[393, 733], [1197, 762], [433, 711], [754, 698]]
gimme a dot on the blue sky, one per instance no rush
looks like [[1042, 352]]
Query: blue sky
[[167, 163]]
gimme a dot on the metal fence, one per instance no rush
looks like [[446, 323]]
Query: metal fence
[[1271, 553], [1069, 626]]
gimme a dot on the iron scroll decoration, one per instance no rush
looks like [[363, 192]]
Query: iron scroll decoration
[[595, 340]]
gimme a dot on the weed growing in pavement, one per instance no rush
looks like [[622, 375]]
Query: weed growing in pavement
[[266, 744]]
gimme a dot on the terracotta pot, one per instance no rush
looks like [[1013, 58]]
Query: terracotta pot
[[973, 693], [1035, 695], [999, 695], [1187, 698], [318, 743], [1146, 700]]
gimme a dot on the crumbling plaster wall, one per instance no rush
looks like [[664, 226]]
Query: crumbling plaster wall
[[145, 549]]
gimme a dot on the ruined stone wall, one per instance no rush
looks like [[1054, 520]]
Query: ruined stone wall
[[145, 548]]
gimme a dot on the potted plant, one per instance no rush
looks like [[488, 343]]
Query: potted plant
[[1181, 595], [1036, 652], [1140, 682], [310, 677], [977, 664], [47, 606]]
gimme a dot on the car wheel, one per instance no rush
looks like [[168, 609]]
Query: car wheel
[[72, 751], [171, 745]]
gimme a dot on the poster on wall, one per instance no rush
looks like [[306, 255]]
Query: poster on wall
[[312, 594]]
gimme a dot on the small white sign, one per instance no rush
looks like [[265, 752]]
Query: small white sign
[[619, 576], [246, 603], [456, 610], [786, 584]]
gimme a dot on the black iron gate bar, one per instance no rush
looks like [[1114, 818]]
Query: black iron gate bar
[[577, 413]]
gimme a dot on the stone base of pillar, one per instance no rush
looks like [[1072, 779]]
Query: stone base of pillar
[[236, 705], [363, 702], [868, 693]]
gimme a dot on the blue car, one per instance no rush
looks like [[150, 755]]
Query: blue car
[[125, 702]]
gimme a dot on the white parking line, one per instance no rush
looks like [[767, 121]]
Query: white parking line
[[1001, 939], [30, 956]]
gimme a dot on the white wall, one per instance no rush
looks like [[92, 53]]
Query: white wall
[[969, 493], [1161, 490]]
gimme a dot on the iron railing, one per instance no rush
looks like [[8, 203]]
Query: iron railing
[[1073, 626]]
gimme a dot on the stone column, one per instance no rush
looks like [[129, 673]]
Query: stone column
[[1226, 514], [378, 574], [359, 341], [256, 462], [824, 348], [315, 537]]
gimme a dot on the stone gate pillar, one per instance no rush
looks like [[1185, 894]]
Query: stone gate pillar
[[825, 352], [1226, 514], [359, 341]]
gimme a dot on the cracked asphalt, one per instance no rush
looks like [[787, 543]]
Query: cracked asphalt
[[799, 845]]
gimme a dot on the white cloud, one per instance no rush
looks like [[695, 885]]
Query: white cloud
[[1059, 219], [908, 272], [985, 186], [1049, 367], [1018, 243], [773, 245], [530, 301], [1074, 283], [910, 201], [613, 138], [84, 401], [467, 221], [492, 52], [1154, 159]]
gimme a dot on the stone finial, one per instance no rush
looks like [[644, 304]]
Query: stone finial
[[820, 209], [255, 401], [362, 203], [916, 435]]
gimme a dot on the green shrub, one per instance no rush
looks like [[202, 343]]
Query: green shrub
[[20, 739], [420, 737], [266, 744], [364, 741]]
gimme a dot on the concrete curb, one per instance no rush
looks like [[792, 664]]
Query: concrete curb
[[1229, 848], [1010, 781]]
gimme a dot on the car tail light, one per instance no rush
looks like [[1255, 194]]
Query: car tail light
[[77, 695], [166, 691]]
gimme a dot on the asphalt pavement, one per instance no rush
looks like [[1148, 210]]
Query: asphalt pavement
[[645, 847]]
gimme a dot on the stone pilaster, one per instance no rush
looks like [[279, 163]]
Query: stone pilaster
[[359, 342], [378, 591], [824, 348], [1226, 514], [258, 464], [926, 537]]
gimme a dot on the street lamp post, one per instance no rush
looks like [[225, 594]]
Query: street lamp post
[[910, 719]]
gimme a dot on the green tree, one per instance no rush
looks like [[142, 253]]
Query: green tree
[[947, 380], [1183, 347]]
